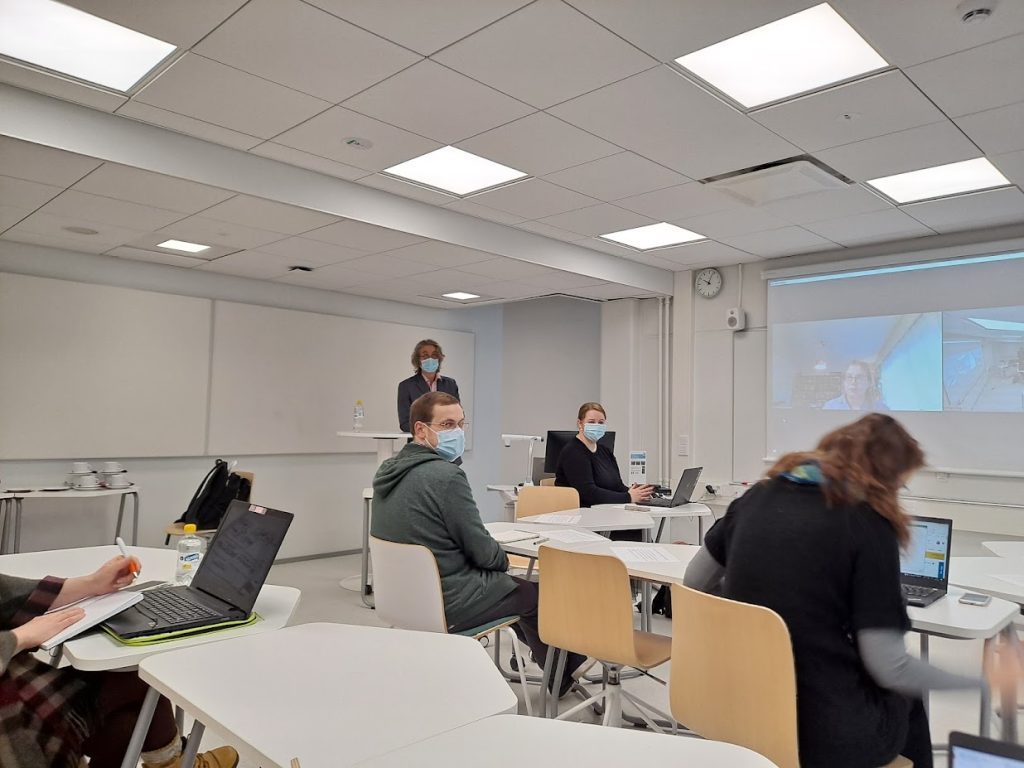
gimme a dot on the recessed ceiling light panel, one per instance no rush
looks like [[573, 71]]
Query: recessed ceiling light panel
[[997, 325], [653, 236], [63, 39], [461, 295], [455, 171], [796, 54], [941, 181], [182, 245]]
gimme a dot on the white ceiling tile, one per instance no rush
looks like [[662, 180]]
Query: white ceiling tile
[[50, 226], [827, 205], [20, 193], [140, 254], [264, 214], [438, 103], [520, 54], [107, 210], [981, 209], [607, 292], [684, 201], [614, 249], [153, 189], [406, 189], [216, 93], [780, 242], [877, 105], [11, 215], [506, 269], [311, 253], [199, 229], [597, 220], [557, 280], [150, 241], [910, 150], [325, 135], [183, 22], [548, 231], [617, 176], [668, 29], [1012, 166], [310, 162], [533, 199], [260, 266], [736, 221], [363, 237], [666, 118], [331, 277], [299, 46], [984, 77], [704, 254], [441, 254], [538, 144], [483, 212], [996, 130], [395, 288], [70, 243], [874, 227], [388, 266], [912, 31], [423, 27], [507, 289], [187, 125], [450, 280], [34, 162]]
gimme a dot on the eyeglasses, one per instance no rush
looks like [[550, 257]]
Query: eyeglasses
[[448, 424]]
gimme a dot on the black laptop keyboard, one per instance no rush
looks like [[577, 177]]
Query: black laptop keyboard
[[913, 591], [172, 607]]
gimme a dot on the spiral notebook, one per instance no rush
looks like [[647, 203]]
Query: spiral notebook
[[97, 610]]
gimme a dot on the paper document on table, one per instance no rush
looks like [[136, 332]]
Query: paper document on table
[[569, 536], [643, 555], [556, 519], [1015, 579], [97, 610], [508, 537]]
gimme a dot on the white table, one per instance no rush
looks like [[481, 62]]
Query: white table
[[17, 497], [981, 574], [605, 519], [385, 442], [331, 694], [491, 742], [692, 509], [1005, 548]]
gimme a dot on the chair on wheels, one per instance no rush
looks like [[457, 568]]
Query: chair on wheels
[[407, 594], [540, 500], [586, 606], [178, 529], [733, 677]]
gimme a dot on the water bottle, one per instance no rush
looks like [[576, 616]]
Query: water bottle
[[357, 417], [190, 554]]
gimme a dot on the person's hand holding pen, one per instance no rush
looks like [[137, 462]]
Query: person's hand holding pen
[[114, 574], [639, 493]]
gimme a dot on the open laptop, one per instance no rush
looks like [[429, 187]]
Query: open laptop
[[226, 585], [967, 751], [924, 566], [684, 490]]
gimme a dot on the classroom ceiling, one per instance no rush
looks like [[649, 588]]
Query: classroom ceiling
[[582, 95]]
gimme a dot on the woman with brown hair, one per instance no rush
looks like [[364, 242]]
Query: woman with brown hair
[[818, 541]]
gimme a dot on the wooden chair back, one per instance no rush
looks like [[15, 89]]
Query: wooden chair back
[[541, 499]]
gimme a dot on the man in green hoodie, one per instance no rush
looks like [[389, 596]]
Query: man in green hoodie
[[421, 497]]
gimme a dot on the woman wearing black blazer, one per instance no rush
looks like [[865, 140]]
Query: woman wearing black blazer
[[426, 361]]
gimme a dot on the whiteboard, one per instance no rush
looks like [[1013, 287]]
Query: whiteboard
[[285, 381], [90, 371]]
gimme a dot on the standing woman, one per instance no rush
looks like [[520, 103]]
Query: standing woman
[[426, 361]]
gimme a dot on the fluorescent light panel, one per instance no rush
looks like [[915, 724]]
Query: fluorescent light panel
[[941, 181], [803, 52], [455, 171], [182, 245], [66, 40], [653, 236], [460, 296], [997, 325]]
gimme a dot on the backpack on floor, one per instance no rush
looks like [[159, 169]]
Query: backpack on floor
[[662, 602], [210, 501]]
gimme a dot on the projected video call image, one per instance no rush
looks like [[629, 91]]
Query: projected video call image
[[983, 359]]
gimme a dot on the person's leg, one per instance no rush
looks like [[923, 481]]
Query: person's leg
[[118, 700], [918, 747]]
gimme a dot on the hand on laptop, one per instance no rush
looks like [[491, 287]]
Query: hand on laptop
[[40, 629], [639, 493]]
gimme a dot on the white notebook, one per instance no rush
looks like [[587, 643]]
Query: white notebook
[[97, 609], [507, 537]]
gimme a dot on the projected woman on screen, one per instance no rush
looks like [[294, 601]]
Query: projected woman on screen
[[860, 390]]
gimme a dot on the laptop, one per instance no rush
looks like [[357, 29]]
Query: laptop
[[226, 585], [967, 751], [684, 490], [924, 566]]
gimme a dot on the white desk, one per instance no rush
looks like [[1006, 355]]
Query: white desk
[[385, 442], [332, 694], [1005, 548], [605, 519], [17, 497], [981, 574], [693, 509], [491, 742]]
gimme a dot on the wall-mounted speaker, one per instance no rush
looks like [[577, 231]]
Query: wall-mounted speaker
[[735, 319]]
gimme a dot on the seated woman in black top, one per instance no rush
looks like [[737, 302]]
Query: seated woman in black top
[[590, 468], [819, 542]]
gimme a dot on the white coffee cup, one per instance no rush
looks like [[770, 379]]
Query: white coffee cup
[[87, 481], [112, 466], [118, 480], [78, 467]]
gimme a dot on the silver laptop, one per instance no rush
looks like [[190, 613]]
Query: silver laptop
[[684, 490]]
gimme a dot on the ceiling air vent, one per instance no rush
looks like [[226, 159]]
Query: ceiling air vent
[[778, 181]]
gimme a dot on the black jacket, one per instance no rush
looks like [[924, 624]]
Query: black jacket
[[413, 387]]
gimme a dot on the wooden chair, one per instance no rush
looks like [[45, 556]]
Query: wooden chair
[[547, 481], [586, 605], [733, 677], [407, 595], [539, 500], [178, 529]]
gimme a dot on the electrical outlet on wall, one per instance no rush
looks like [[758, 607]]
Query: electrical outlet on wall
[[684, 446]]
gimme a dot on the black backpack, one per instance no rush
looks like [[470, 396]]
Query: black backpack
[[209, 503], [662, 602]]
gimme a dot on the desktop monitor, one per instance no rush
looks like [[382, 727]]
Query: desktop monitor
[[558, 439]]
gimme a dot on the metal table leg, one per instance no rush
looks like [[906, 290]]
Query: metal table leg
[[1008, 694], [188, 755], [120, 517], [985, 719], [646, 596], [364, 585], [17, 525], [5, 509], [135, 518], [134, 751]]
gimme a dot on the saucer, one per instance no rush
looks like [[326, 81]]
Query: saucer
[[118, 487], [90, 472], [96, 487]]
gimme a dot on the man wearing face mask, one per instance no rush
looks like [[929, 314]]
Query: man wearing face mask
[[427, 357], [421, 497]]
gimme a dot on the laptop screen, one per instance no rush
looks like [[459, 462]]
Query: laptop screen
[[967, 751], [687, 482], [241, 553], [927, 554]]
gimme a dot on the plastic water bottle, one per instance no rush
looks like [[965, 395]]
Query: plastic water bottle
[[190, 553], [357, 416]]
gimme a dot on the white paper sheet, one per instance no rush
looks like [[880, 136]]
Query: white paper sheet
[[555, 518], [643, 555], [568, 536]]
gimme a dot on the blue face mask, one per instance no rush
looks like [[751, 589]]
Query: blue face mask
[[430, 365], [450, 444], [594, 431]]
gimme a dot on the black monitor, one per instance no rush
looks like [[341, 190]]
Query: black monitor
[[558, 439]]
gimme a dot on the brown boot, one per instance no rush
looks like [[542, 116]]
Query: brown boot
[[222, 757]]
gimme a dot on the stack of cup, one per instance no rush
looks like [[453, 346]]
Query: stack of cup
[[83, 477], [115, 476]]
